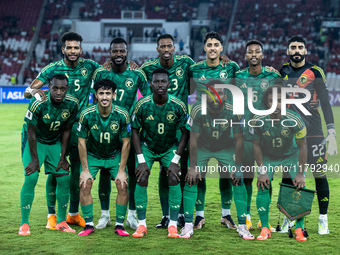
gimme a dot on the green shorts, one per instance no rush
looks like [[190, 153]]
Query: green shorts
[[163, 158], [110, 164], [49, 154], [289, 164]]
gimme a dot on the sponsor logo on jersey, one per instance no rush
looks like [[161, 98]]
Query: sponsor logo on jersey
[[129, 83], [264, 84], [84, 72], [179, 71], [285, 78], [206, 124], [223, 74], [29, 115], [171, 117], [285, 132], [202, 78], [319, 160], [94, 126], [243, 86], [46, 116], [114, 126], [266, 133], [150, 117], [65, 114]]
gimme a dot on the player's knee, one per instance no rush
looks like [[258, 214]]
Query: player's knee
[[121, 189], [173, 181], [144, 180], [86, 189]]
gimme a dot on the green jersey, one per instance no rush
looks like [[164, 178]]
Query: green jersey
[[259, 84], [159, 123], [51, 119], [178, 75], [127, 83], [214, 137], [103, 134], [79, 78], [201, 74], [278, 139]]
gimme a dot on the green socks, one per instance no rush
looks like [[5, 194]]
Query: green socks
[[87, 212], [74, 187], [226, 191], [240, 194], [27, 196], [175, 198], [104, 190], [189, 200], [163, 190], [141, 200], [120, 213], [262, 203], [51, 185], [201, 189], [249, 196], [63, 195]]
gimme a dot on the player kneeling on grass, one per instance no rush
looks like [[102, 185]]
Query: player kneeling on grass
[[154, 123], [101, 127], [210, 140], [281, 141], [49, 125]]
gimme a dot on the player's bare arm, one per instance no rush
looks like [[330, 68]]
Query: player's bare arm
[[235, 177], [263, 178], [35, 88], [65, 139], [299, 180], [142, 167], [121, 176], [85, 174], [193, 176], [32, 142]]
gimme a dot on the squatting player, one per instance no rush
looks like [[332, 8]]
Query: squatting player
[[200, 75], [257, 78], [101, 126], [49, 124], [154, 124], [275, 145], [207, 141], [302, 74], [128, 82], [79, 73]]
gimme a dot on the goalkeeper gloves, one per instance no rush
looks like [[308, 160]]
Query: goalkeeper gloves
[[331, 139]]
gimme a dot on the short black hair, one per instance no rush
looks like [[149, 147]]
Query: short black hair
[[254, 42], [268, 92], [71, 36], [105, 84], [296, 38], [212, 35], [118, 40], [165, 36], [160, 70], [59, 76]]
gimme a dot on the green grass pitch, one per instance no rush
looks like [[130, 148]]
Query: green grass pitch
[[213, 238]]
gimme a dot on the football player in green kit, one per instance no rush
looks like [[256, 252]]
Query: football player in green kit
[[210, 140], [128, 82], [49, 122], [155, 122], [101, 127], [257, 78], [200, 74], [281, 141]]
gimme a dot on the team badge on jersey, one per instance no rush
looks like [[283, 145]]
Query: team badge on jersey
[[65, 114], [84, 72], [225, 126], [179, 71], [29, 115], [223, 74], [303, 78], [285, 132], [264, 84], [114, 126], [129, 83], [171, 117]]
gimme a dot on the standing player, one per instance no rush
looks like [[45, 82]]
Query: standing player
[[200, 74], [178, 68], [101, 126], [302, 74], [257, 78], [49, 125], [79, 73], [207, 141], [274, 145], [128, 82], [159, 116]]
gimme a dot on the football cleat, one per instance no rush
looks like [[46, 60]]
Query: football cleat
[[299, 236], [75, 220], [172, 231], [24, 230], [249, 224], [187, 231], [131, 221], [140, 232], [64, 227], [181, 221], [51, 222], [323, 226], [244, 232], [259, 225], [265, 234], [199, 222], [120, 230], [87, 231], [286, 224], [228, 221], [164, 222], [103, 222]]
